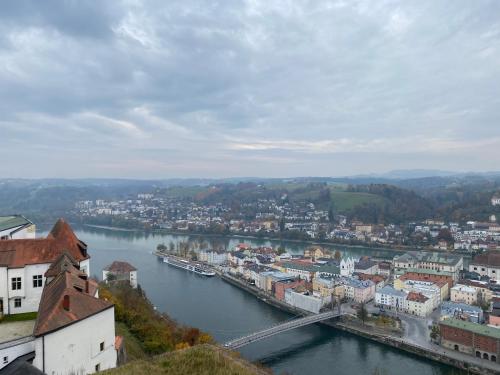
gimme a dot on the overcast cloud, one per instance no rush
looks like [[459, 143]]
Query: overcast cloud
[[198, 88]]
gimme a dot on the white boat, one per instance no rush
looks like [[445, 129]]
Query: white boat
[[185, 265]]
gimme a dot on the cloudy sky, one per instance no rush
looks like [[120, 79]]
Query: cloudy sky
[[200, 88]]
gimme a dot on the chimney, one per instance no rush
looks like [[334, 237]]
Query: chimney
[[66, 302]]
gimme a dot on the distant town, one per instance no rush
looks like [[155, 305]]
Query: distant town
[[281, 218]]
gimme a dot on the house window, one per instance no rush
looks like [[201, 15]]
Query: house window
[[5, 360], [16, 283], [37, 281], [17, 302], [101, 346], [98, 367]]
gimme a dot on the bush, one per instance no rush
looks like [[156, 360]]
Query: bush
[[157, 332]]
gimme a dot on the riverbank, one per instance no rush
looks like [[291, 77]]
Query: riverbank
[[398, 250], [435, 353]]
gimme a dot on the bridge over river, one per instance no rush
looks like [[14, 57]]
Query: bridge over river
[[279, 328]]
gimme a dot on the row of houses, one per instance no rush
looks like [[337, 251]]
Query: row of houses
[[308, 282]]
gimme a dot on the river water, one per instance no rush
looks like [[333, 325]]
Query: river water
[[227, 312]]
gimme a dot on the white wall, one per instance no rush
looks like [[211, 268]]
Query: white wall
[[492, 272], [75, 348], [15, 349], [133, 279], [30, 296], [308, 303], [28, 232], [4, 289]]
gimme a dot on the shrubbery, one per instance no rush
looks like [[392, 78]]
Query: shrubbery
[[157, 332]]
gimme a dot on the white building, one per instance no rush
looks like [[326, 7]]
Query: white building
[[347, 266], [427, 288], [418, 304], [359, 291], [464, 293], [75, 330], [304, 301], [23, 263], [212, 256], [487, 264], [434, 261], [495, 201], [120, 271], [16, 227], [390, 298]]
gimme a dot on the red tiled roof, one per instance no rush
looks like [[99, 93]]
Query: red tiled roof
[[18, 253], [64, 262], [81, 303], [489, 258], [474, 283], [416, 297], [120, 267], [375, 278]]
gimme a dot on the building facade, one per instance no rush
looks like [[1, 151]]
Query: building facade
[[475, 339], [23, 263], [120, 271], [487, 264], [464, 293]]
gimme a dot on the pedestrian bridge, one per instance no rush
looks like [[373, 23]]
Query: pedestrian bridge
[[279, 328]]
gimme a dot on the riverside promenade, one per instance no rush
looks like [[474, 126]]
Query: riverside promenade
[[433, 352]]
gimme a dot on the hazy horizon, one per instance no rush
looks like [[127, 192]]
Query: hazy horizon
[[196, 89]]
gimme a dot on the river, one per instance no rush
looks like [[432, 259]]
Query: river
[[227, 312]]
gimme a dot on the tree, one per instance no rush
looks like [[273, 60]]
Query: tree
[[362, 312], [337, 255], [193, 255], [161, 248], [184, 248], [281, 250], [331, 213], [171, 247], [282, 224], [435, 332], [445, 235]]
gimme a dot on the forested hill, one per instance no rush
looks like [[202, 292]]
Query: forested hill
[[375, 203], [449, 198], [399, 205]]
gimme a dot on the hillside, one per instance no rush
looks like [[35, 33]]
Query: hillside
[[369, 199], [202, 359]]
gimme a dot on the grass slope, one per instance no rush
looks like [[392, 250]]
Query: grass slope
[[133, 346], [346, 201], [202, 359]]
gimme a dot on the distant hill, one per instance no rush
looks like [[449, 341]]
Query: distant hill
[[370, 199]]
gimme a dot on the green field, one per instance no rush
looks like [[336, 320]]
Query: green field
[[346, 201], [19, 317]]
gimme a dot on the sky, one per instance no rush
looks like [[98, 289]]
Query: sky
[[201, 88]]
